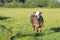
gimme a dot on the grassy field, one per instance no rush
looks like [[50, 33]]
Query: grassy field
[[15, 24]]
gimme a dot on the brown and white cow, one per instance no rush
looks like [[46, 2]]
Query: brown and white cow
[[36, 21]]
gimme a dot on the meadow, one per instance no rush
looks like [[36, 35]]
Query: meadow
[[15, 24]]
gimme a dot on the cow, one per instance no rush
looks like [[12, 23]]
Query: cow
[[36, 21]]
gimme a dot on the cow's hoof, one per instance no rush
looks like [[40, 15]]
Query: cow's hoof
[[37, 34], [40, 34]]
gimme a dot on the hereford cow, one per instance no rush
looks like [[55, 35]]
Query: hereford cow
[[36, 21]]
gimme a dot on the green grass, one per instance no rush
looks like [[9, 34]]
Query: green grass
[[15, 24]]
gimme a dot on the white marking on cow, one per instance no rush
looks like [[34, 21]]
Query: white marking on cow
[[37, 14]]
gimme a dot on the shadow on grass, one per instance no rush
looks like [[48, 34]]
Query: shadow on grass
[[23, 35], [56, 29], [53, 30], [28, 34], [4, 18], [13, 38], [3, 27], [20, 35]]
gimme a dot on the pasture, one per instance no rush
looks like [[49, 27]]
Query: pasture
[[15, 24]]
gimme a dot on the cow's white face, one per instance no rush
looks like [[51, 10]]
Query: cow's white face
[[37, 14]]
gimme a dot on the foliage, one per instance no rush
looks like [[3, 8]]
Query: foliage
[[30, 3], [13, 5]]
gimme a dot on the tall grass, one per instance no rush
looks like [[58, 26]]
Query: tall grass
[[17, 26]]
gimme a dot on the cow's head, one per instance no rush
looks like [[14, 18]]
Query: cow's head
[[37, 13]]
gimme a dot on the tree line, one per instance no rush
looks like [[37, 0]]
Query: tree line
[[29, 3]]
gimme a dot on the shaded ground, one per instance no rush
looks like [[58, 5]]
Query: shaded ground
[[4, 28], [4, 18], [19, 35], [56, 29]]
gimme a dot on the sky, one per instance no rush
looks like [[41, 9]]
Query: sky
[[59, 1]]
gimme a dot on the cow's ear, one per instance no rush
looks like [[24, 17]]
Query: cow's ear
[[40, 13], [34, 12]]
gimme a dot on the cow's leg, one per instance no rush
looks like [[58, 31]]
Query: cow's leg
[[36, 29], [37, 26], [33, 28], [40, 30], [40, 27]]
